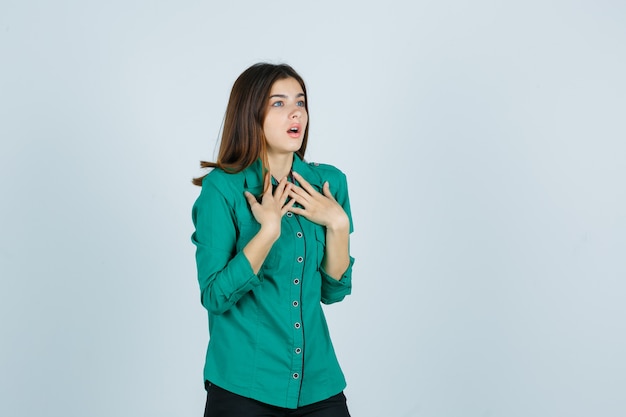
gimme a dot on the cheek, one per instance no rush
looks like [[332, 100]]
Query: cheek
[[270, 130], [269, 123]]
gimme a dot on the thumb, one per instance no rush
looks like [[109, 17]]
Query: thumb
[[251, 198], [326, 190]]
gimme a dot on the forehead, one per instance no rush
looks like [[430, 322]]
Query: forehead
[[286, 86]]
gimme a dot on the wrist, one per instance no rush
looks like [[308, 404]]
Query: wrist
[[269, 233], [339, 227]]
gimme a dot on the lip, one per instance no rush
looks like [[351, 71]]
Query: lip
[[297, 133]]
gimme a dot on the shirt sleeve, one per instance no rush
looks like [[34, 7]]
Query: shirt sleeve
[[224, 274], [336, 290]]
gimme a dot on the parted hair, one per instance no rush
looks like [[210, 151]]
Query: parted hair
[[243, 140]]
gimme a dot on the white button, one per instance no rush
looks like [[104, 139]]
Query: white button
[[300, 259], [295, 304], [296, 281], [296, 375], [298, 351], [289, 214], [299, 234], [297, 325]]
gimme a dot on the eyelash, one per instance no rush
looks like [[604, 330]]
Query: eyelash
[[281, 104]]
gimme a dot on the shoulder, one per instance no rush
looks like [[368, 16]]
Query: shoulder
[[222, 182], [337, 182], [327, 172], [219, 177]]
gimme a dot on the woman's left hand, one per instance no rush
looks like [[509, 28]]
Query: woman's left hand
[[322, 209]]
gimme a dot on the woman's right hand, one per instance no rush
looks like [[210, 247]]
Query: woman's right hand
[[272, 207], [268, 213]]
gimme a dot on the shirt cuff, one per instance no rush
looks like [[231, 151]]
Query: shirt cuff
[[230, 284], [335, 290]]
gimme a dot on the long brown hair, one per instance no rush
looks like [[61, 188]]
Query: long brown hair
[[243, 140]]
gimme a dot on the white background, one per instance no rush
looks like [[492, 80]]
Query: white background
[[484, 147]]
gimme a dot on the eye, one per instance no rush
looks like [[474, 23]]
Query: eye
[[277, 104], [300, 103]]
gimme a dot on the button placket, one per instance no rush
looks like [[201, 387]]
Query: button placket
[[295, 302]]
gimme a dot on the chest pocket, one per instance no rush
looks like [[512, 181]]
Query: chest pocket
[[320, 243], [248, 227], [246, 231]]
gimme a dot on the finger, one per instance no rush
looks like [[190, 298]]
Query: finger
[[301, 197], [284, 193], [267, 185], [326, 191], [251, 198], [288, 206], [298, 210], [304, 184], [301, 194], [280, 188]]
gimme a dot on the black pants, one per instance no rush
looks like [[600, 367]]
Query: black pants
[[222, 403]]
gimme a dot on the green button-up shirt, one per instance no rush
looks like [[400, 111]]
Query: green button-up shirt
[[268, 336]]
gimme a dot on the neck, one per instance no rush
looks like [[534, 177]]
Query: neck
[[280, 165]]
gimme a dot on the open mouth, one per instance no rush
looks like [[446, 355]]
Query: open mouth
[[294, 131]]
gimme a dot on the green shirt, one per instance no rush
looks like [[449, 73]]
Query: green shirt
[[268, 336]]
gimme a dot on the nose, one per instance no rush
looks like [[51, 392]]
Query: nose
[[296, 113]]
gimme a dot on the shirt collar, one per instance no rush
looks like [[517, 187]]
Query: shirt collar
[[253, 175]]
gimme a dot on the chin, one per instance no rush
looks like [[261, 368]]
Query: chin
[[293, 147]]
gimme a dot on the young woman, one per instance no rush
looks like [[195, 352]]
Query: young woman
[[271, 245]]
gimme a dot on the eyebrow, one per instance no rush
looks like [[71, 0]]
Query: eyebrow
[[285, 96]]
